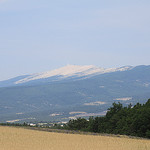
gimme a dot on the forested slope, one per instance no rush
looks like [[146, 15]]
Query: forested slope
[[129, 120]]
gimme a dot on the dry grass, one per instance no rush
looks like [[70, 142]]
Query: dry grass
[[23, 139]]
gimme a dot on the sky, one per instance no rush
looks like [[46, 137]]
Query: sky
[[41, 35]]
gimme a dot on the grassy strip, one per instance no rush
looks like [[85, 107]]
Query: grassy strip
[[77, 132]]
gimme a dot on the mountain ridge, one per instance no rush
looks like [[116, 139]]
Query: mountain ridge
[[63, 73]]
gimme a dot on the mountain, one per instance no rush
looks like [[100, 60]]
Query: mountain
[[65, 73], [72, 91]]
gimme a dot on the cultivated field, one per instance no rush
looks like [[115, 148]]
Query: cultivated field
[[23, 139]]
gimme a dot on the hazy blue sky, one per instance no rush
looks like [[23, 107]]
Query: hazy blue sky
[[40, 35]]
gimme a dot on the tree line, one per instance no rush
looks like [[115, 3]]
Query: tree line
[[134, 121]]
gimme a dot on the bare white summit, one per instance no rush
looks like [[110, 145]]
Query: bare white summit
[[72, 71]]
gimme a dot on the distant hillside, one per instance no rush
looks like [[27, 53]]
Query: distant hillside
[[130, 120], [59, 100]]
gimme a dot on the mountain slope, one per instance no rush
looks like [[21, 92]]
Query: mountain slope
[[91, 95]]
